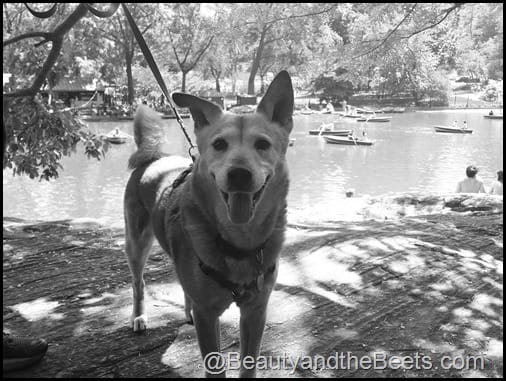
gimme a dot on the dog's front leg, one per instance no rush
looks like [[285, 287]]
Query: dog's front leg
[[252, 328], [207, 325], [137, 246]]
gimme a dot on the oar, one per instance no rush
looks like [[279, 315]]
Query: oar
[[354, 140], [322, 127]]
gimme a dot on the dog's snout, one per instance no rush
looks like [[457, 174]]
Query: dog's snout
[[239, 180]]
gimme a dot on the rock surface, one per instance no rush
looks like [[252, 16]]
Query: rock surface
[[417, 288]]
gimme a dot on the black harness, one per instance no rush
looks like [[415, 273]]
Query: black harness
[[240, 293]]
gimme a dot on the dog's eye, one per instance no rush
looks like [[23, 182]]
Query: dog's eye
[[220, 145], [262, 144]]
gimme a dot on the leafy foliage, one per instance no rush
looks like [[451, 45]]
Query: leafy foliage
[[38, 138], [330, 48]]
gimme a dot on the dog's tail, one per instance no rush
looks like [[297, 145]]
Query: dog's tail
[[149, 137]]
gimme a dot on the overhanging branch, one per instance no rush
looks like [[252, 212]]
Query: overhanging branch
[[446, 13], [390, 33], [56, 37]]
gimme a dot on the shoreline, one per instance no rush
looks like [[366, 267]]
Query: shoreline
[[390, 206], [430, 283]]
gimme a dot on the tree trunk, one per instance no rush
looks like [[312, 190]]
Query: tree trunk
[[253, 73], [130, 80], [415, 96], [256, 63], [183, 81], [217, 81], [234, 78]]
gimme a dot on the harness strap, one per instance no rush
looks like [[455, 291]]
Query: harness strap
[[182, 177], [240, 293], [230, 250]]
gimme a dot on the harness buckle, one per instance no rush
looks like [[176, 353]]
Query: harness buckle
[[260, 257], [260, 282]]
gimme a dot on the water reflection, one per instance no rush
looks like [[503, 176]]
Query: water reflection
[[407, 156]]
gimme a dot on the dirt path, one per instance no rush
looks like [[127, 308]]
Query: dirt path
[[417, 288]]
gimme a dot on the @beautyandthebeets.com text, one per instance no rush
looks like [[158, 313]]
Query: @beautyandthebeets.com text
[[215, 363]]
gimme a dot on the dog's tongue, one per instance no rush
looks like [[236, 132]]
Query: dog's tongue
[[240, 207]]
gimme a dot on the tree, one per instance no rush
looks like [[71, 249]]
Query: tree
[[190, 35], [220, 60], [118, 31], [394, 48], [479, 50], [37, 136], [269, 23]]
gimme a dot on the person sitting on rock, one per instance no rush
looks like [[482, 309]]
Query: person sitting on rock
[[497, 185], [470, 184]]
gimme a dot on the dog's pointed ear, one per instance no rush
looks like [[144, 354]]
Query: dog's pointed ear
[[203, 111], [277, 103]]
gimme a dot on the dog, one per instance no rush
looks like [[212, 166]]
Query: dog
[[221, 218]]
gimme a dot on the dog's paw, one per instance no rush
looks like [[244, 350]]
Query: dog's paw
[[140, 323]]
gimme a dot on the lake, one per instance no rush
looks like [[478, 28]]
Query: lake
[[408, 156]]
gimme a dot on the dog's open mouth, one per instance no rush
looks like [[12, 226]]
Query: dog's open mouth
[[241, 205]]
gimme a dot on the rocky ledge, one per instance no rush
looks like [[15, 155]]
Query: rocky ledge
[[418, 278]]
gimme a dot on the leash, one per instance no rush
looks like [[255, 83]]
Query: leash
[[154, 68]]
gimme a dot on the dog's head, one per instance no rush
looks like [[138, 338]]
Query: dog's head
[[241, 154]]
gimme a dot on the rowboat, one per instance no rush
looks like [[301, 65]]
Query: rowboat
[[330, 132], [350, 141], [375, 119], [92, 118], [493, 116], [242, 109], [368, 111], [346, 115], [456, 130], [115, 139], [173, 116], [328, 129]]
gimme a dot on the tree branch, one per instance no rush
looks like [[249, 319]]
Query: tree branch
[[57, 39], [199, 54], [296, 16], [47, 36], [174, 49], [447, 13], [389, 34]]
